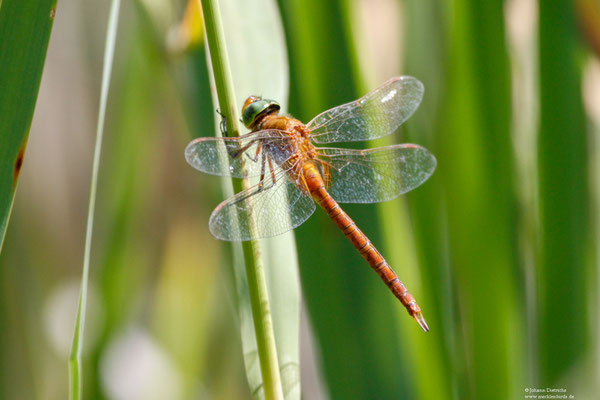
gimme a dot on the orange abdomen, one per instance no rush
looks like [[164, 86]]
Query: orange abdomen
[[316, 187]]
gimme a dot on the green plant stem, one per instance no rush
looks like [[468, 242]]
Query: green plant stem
[[259, 298], [75, 386]]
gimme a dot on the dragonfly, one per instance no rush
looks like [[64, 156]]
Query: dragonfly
[[294, 175]]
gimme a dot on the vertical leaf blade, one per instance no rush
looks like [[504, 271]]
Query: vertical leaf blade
[[475, 162], [563, 195], [426, 23], [25, 32]]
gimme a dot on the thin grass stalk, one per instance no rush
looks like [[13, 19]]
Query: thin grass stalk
[[259, 298], [75, 383]]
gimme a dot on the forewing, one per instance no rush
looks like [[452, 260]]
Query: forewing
[[239, 157], [259, 213], [377, 114], [374, 175]]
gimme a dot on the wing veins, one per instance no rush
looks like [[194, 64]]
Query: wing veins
[[222, 156], [258, 216], [374, 175]]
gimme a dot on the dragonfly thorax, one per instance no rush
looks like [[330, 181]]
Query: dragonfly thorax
[[300, 148]]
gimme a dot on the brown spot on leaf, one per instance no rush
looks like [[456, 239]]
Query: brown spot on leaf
[[18, 164], [53, 12]]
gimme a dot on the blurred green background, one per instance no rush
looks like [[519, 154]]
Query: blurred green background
[[500, 246]]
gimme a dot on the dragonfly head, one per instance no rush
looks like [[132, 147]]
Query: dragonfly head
[[256, 107]]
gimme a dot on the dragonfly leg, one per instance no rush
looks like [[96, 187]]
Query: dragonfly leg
[[263, 167], [235, 153], [272, 170], [255, 158], [261, 183], [259, 188], [224, 133], [223, 124], [232, 153]]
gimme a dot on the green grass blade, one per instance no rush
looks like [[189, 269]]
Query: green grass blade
[[563, 197], [475, 162], [24, 34], [269, 328], [75, 383], [426, 24]]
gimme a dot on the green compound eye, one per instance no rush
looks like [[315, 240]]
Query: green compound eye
[[252, 111]]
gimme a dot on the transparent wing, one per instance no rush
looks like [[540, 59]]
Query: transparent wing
[[374, 175], [262, 212], [239, 157], [374, 115]]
